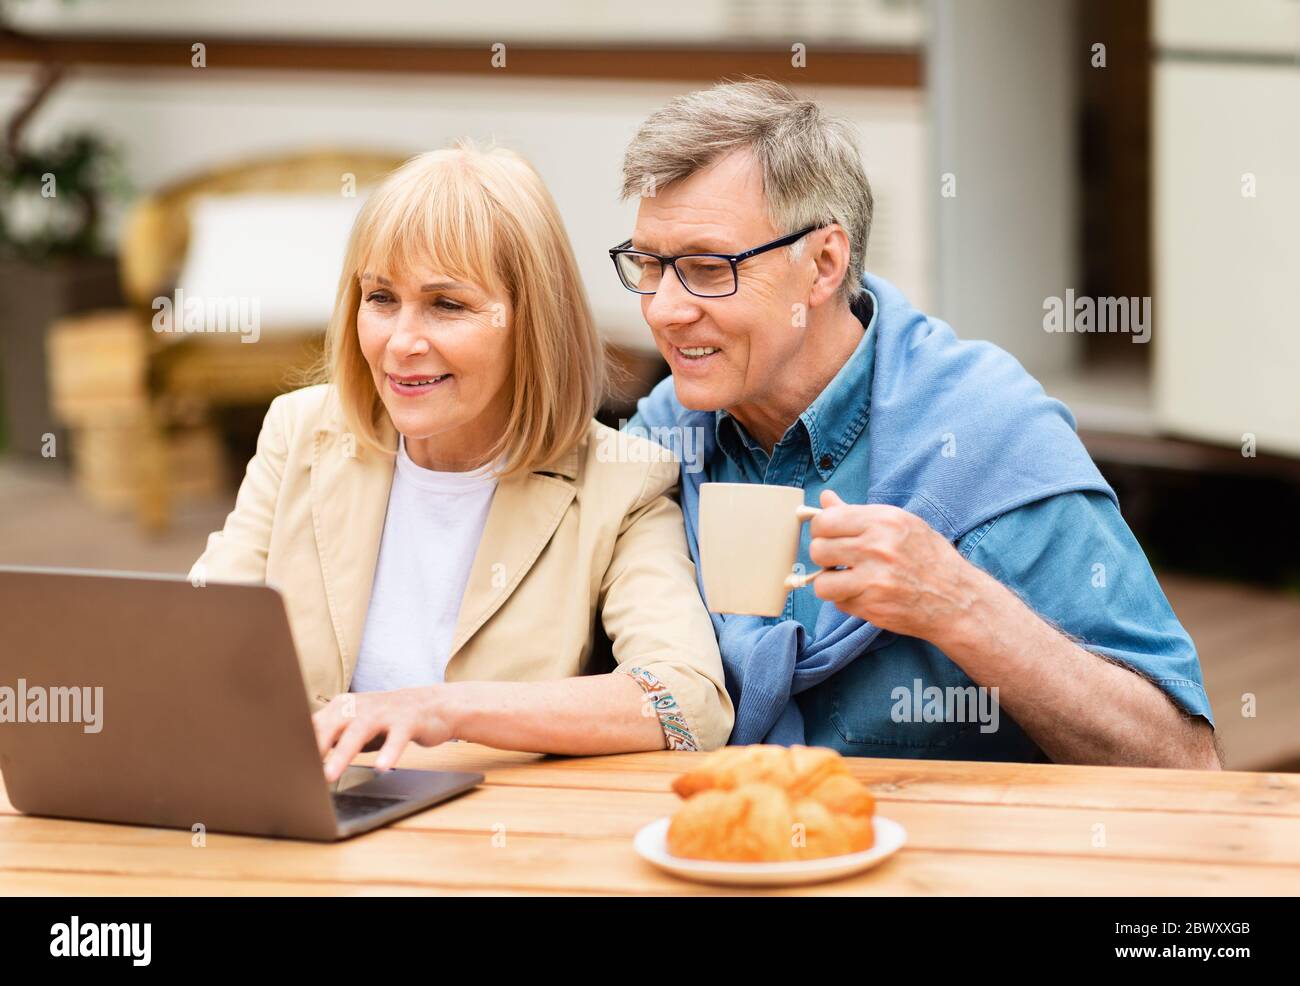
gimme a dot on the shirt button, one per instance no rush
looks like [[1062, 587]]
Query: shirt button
[[826, 462]]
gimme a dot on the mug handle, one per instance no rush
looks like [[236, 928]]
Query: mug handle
[[792, 581]]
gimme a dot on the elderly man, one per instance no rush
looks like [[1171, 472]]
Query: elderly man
[[972, 546]]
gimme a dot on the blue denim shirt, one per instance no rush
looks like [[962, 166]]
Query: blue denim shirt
[[1070, 557]]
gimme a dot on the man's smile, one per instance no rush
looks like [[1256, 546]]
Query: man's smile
[[693, 359]]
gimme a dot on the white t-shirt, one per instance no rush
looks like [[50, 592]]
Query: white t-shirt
[[431, 532]]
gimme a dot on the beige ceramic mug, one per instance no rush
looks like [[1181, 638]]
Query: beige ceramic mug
[[749, 540]]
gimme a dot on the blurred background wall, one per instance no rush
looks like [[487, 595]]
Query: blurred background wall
[[572, 131]]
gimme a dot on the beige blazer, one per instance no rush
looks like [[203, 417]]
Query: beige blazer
[[596, 534]]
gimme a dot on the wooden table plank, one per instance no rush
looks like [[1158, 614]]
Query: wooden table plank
[[497, 814], [957, 781], [44, 883], [559, 825], [1195, 837], [448, 862]]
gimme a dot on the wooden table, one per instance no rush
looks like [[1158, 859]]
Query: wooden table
[[552, 825]]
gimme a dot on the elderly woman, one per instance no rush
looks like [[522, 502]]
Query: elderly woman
[[444, 518]]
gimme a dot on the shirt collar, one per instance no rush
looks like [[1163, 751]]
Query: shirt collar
[[835, 419]]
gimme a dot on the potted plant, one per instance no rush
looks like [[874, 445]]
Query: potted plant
[[52, 262]]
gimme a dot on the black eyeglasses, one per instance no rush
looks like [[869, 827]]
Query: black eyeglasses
[[705, 275]]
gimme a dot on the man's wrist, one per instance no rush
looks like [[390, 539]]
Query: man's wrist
[[981, 613]]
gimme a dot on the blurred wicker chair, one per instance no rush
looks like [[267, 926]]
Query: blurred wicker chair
[[139, 408]]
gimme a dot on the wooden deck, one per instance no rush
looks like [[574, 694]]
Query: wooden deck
[[1249, 642]]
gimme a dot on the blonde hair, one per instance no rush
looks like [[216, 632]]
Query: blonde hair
[[812, 171], [483, 216]]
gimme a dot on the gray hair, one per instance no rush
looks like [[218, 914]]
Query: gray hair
[[812, 171]]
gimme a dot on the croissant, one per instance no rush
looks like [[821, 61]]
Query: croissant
[[769, 804]]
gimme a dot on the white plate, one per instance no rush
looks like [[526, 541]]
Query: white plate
[[651, 844]]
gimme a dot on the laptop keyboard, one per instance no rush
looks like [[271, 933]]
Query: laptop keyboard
[[349, 807]]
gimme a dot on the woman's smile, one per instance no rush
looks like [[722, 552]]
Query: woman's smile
[[416, 385]]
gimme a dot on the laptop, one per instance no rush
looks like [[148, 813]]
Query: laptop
[[146, 700]]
